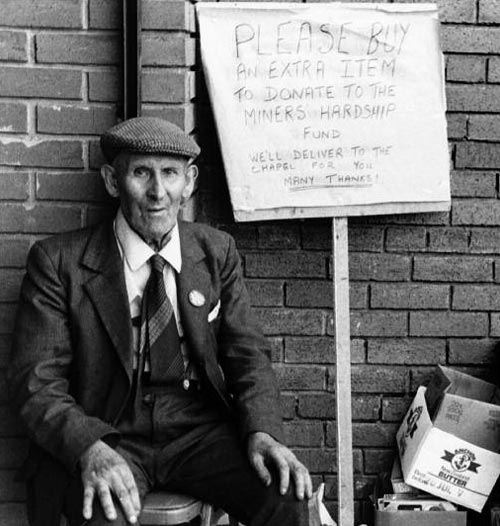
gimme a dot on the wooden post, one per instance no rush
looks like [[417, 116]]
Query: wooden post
[[340, 265]]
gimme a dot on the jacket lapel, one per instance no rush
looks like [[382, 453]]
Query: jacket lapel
[[107, 290], [193, 277]]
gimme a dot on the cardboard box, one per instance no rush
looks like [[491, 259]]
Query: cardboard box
[[452, 454], [420, 518]]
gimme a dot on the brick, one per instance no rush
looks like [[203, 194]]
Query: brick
[[180, 114], [473, 183], [303, 377], [453, 268], [448, 239], [13, 117], [366, 239], [11, 284], [167, 49], [168, 85], [394, 408], [466, 324], [14, 252], [7, 314], [411, 296], [13, 46], [77, 48], [476, 212], [319, 460], [12, 514], [470, 39], [485, 240], [379, 267], [494, 69], [11, 488], [266, 292], [475, 352], [313, 405], [489, 11], [291, 321], [105, 14], [473, 98], [40, 82], [98, 214], [284, 237], [42, 13], [476, 297], [407, 351], [377, 379], [406, 238], [56, 154], [105, 86], [420, 376], [71, 186], [96, 157], [318, 350], [288, 403], [14, 185], [372, 434], [495, 325], [484, 127], [457, 125], [316, 234], [478, 155], [12, 452], [168, 15], [466, 68], [431, 218], [276, 344], [66, 119], [377, 323], [314, 293], [244, 234], [378, 460], [39, 218], [456, 10], [286, 265], [305, 434]]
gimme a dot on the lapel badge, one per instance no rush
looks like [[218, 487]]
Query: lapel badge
[[196, 298]]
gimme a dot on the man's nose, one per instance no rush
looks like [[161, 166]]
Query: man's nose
[[156, 189]]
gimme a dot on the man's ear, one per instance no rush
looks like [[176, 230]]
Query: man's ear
[[108, 174], [191, 175]]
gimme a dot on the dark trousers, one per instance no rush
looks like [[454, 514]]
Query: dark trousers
[[177, 440]]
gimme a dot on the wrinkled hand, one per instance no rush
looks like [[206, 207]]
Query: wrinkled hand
[[104, 471], [264, 450]]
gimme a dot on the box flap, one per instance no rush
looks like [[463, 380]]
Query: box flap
[[450, 381]]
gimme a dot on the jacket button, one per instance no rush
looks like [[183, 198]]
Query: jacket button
[[148, 399]]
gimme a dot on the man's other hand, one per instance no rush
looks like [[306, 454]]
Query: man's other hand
[[104, 471], [264, 450]]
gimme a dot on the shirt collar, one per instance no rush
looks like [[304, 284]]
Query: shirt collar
[[137, 252]]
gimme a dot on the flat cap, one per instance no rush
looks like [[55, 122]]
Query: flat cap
[[147, 135]]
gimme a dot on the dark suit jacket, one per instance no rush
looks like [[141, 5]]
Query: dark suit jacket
[[71, 367]]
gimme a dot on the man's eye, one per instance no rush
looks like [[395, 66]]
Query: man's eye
[[141, 172], [170, 172]]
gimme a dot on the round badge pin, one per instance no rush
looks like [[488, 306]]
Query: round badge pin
[[196, 298]]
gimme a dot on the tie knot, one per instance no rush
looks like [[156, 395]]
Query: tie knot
[[157, 263]]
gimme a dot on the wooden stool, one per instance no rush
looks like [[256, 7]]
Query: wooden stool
[[162, 508]]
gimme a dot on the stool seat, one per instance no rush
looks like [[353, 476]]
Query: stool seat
[[163, 508]]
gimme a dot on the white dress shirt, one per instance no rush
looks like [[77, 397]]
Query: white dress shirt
[[135, 253]]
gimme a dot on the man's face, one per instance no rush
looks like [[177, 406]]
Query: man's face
[[151, 189]]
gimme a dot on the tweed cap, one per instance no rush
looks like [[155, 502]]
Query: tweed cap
[[147, 135]]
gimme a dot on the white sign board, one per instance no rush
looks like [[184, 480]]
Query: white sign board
[[327, 109]]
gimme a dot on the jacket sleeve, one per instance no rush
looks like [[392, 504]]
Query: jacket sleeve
[[244, 355], [41, 366]]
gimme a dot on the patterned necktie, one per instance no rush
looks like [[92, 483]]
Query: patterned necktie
[[159, 336]]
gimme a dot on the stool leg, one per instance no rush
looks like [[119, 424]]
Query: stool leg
[[207, 515]]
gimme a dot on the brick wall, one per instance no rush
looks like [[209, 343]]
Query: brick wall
[[424, 287]]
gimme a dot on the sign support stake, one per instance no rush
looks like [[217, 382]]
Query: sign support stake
[[340, 265]]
